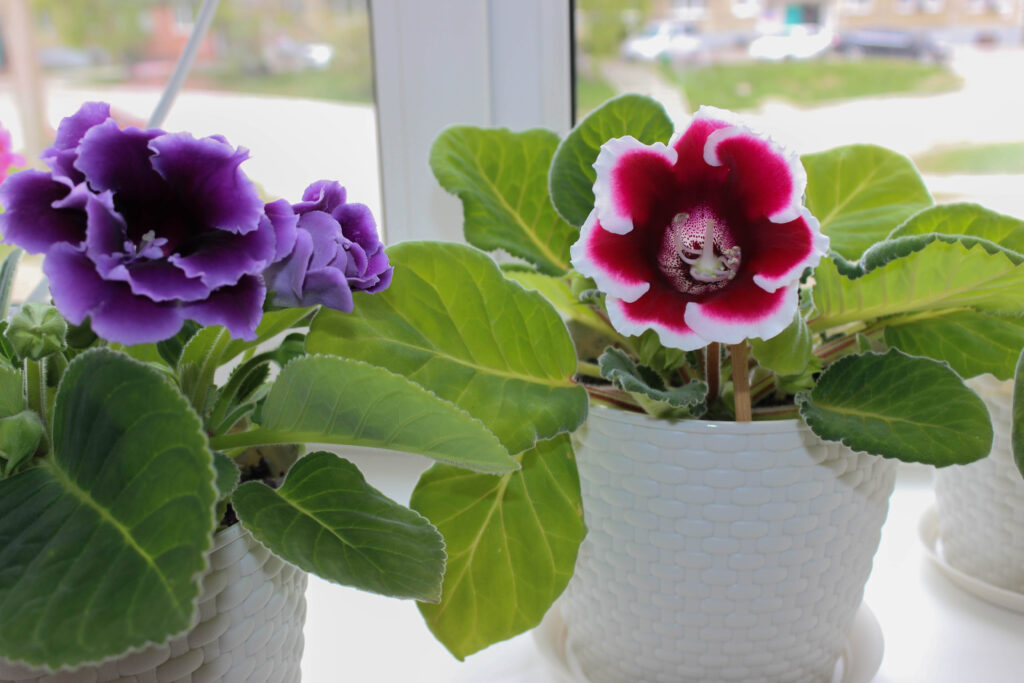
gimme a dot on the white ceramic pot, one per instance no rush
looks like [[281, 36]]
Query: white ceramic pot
[[251, 613], [980, 506], [719, 551]]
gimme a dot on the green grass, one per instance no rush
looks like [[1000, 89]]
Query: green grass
[[591, 92], [333, 84], [1007, 157], [744, 86]]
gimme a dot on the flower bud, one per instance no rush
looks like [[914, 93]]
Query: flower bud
[[37, 331]]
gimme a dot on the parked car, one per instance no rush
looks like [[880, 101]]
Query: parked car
[[796, 41], [888, 42], [671, 40]]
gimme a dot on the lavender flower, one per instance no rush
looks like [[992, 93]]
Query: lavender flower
[[143, 229], [336, 250]]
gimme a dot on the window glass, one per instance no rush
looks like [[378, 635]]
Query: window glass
[[928, 78]]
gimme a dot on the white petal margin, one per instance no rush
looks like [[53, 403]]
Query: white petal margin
[[668, 337], [791, 210], [766, 327], [611, 217], [819, 248], [611, 283], [708, 113]]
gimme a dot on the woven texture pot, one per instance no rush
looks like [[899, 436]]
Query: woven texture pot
[[251, 612], [719, 551], [980, 506]]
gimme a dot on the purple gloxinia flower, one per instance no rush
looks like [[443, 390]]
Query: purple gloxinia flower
[[336, 250], [143, 229]]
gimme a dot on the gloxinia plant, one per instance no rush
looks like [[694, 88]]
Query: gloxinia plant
[[706, 272], [191, 352]]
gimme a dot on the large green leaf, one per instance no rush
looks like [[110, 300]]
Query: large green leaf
[[502, 179], [572, 170], [972, 342], [327, 520], [1017, 415], [102, 544], [860, 193], [512, 544], [558, 292], [787, 353], [453, 323], [966, 219], [941, 276], [326, 399], [899, 406]]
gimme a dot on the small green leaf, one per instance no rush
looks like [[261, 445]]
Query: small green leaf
[[966, 219], [787, 353], [502, 179], [512, 543], [12, 397], [649, 389], [326, 399], [327, 520], [19, 437], [203, 354], [272, 324], [104, 541], [939, 277], [451, 322], [899, 406], [171, 349], [972, 342], [572, 170], [227, 474], [1017, 426], [7, 270], [860, 193]]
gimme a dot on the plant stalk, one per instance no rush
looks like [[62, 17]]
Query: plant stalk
[[35, 386], [712, 370], [741, 382]]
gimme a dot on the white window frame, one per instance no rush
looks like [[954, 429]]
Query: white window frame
[[503, 63]]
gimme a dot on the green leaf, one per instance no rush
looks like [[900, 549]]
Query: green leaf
[[559, 293], [572, 170], [19, 437], [170, 350], [7, 270], [502, 179], [512, 543], [972, 342], [326, 399], [454, 324], [272, 324], [12, 397], [649, 389], [787, 353], [860, 193], [102, 544], [939, 277], [203, 354], [327, 520], [227, 474], [966, 219], [899, 406], [900, 247], [1017, 415]]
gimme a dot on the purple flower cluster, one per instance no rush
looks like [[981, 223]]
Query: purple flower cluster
[[143, 229]]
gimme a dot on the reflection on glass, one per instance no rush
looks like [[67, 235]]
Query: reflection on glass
[[924, 77]]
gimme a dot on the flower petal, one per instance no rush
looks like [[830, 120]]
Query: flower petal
[[105, 231], [618, 264], [29, 219], [323, 195], [160, 281], [238, 308], [784, 250], [741, 311], [325, 233], [660, 309], [632, 178], [206, 174], [767, 179], [77, 289], [119, 160], [691, 169], [328, 287], [283, 221], [220, 258], [62, 154]]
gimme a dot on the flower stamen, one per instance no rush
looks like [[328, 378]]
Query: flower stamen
[[706, 266]]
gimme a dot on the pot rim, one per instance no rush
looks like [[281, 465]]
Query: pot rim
[[786, 426]]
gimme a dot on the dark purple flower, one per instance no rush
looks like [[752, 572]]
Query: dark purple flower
[[336, 250], [143, 229]]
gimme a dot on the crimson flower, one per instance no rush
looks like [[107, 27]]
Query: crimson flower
[[703, 240]]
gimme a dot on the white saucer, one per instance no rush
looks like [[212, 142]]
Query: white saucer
[[928, 529], [860, 660]]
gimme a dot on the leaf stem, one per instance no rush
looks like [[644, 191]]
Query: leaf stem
[[740, 381], [35, 386], [713, 369], [588, 369]]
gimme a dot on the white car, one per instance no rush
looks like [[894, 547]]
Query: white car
[[663, 40], [797, 41]]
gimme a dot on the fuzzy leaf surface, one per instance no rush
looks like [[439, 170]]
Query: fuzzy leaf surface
[[326, 399], [451, 322], [966, 219], [512, 543], [572, 173], [860, 193], [899, 406], [327, 520], [787, 353], [502, 179], [649, 389], [1017, 416], [102, 543]]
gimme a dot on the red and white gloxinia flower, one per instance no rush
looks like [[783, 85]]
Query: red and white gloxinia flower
[[703, 240]]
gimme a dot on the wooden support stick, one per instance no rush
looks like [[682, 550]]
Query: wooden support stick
[[712, 368], [740, 382]]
